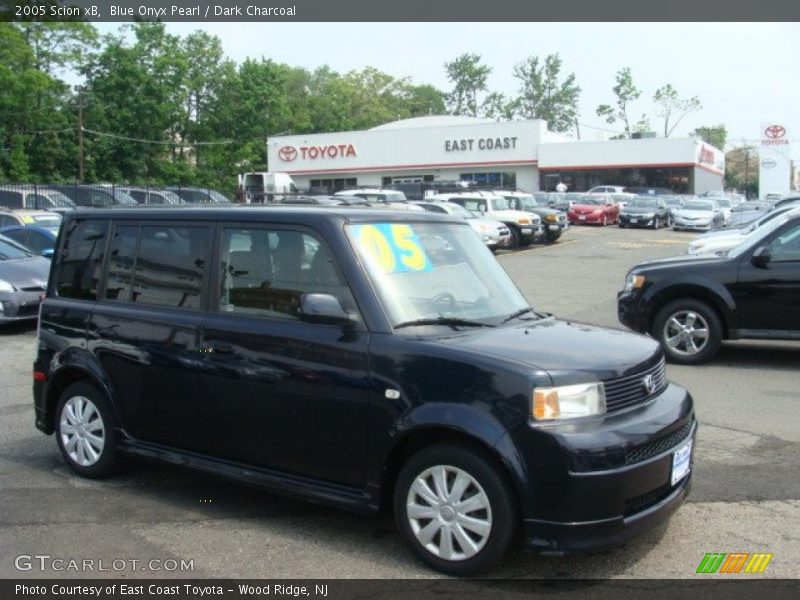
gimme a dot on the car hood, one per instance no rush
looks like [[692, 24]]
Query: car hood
[[26, 272], [480, 225], [513, 215], [721, 243], [562, 348], [679, 261], [586, 207], [694, 214]]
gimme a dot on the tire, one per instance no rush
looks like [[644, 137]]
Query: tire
[[657, 223], [677, 326], [621, 225], [86, 432], [550, 237], [515, 238], [492, 520]]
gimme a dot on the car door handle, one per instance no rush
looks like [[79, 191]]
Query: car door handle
[[218, 349]]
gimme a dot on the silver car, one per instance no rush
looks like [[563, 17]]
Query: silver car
[[23, 281], [493, 233], [698, 215]]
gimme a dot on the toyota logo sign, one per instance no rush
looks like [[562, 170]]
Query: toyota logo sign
[[775, 132], [769, 163], [287, 153]]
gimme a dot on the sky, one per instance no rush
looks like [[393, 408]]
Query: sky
[[743, 73]]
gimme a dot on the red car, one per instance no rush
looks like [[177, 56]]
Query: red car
[[598, 210]]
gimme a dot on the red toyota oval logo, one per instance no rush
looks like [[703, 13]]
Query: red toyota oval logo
[[775, 132], [287, 153]]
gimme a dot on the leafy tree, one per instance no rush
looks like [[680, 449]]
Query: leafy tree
[[468, 77], [741, 169], [58, 45], [424, 100], [626, 92], [497, 106], [542, 96], [716, 135], [673, 108]]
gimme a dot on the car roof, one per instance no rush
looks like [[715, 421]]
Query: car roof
[[27, 228], [274, 213]]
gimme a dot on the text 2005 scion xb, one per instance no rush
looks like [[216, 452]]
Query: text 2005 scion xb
[[367, 359]]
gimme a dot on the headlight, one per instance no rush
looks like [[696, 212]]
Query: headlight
[[5, 286], [484, 228], [552, 218], [634, 282], [569, 401], [524, 221]]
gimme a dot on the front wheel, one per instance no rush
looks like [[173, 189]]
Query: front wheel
[[515, 237], [689, 331], [454, 509], [85, 431]]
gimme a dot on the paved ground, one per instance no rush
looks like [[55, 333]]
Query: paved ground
[[746, 496]]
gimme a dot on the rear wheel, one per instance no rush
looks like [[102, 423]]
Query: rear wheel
[[689, 331], [454, 509], [85, 431]]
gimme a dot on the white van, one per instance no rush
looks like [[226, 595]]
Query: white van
[[261, 188]]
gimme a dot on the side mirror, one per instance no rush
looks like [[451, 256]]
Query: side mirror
[[323, 308], [761, 257], [49, 253]]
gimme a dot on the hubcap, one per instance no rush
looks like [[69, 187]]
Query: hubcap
[[686, 332], [449, 512], [82, 431]]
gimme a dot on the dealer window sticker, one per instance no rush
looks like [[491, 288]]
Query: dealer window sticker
[[392, 247]]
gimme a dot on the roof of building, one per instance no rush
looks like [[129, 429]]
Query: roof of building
[[432, 121]]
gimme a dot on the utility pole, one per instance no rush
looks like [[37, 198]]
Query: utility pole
[[80, 139], [746, 171]]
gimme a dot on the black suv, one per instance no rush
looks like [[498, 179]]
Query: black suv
[[372, 360], [691, 303]]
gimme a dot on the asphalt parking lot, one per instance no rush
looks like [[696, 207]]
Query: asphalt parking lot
[[746, 495]]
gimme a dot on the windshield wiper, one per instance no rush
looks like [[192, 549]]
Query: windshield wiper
[[519, 313], [451, 321]]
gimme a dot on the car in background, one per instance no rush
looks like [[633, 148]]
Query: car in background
[[198, 195], [34, 198], [493, 233], [773, 197], [607, 189], [698, 215], [747, 212], [622, 199], [321, 200], [691, 303], [673, 203], [39, 218], [787, 200], [94, 196], [725, 207], [554, 221], [595, 209], [23, 281], [722, 240], [649, 191], [525, 227], [563, 201], [379, 196], [644, 211], [153, 196], [37, 240]]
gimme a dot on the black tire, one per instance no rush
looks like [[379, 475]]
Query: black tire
[[515, 238], [107, 462], [502, 511], [657, 223], [706, 318], [621, 225], [551, 237]]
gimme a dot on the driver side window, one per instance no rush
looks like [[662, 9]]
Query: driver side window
[[786, 247]]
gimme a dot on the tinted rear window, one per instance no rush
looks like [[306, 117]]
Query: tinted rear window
[[81, 259]]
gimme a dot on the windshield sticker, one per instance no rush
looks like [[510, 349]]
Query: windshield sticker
[[391, 248], [27, 219]]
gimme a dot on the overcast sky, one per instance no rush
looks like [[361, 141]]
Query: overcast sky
[[743, 73]]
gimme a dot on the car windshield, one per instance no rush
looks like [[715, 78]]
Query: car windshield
[[9, 250], [759, 234], [60, 200], [527, 202], [591, 200], [434, 271], [724, 202], [706, 206], [643, 203], [672, 201], [457, 209]]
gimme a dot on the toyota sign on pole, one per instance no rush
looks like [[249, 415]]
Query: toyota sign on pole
[[775, 162]]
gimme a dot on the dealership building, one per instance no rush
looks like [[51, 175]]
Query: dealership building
[[521, 154]]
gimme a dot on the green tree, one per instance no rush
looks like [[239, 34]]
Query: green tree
[[424, 100], [672, 108], [741, 169], [716, 135], [543, 96], [499, 107], [468, 77], [626, 92]]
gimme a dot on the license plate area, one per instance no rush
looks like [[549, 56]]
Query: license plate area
[[681, 462]]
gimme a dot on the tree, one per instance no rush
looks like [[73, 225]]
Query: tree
[[542, 96], [716, 135], [424, 100], [468, 77], [673, 108], [626, 92], [741, 169]]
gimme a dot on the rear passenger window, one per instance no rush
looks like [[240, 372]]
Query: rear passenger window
[[158, 265], [264, 272], [81, 260]]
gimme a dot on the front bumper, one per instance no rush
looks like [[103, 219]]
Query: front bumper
[[586, 219], [19, 306], [636, 220], [617, 477], [631, 312], [692, 226]]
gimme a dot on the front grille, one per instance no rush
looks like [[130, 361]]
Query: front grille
[[35, 288], [630, 390], [656, 447]]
